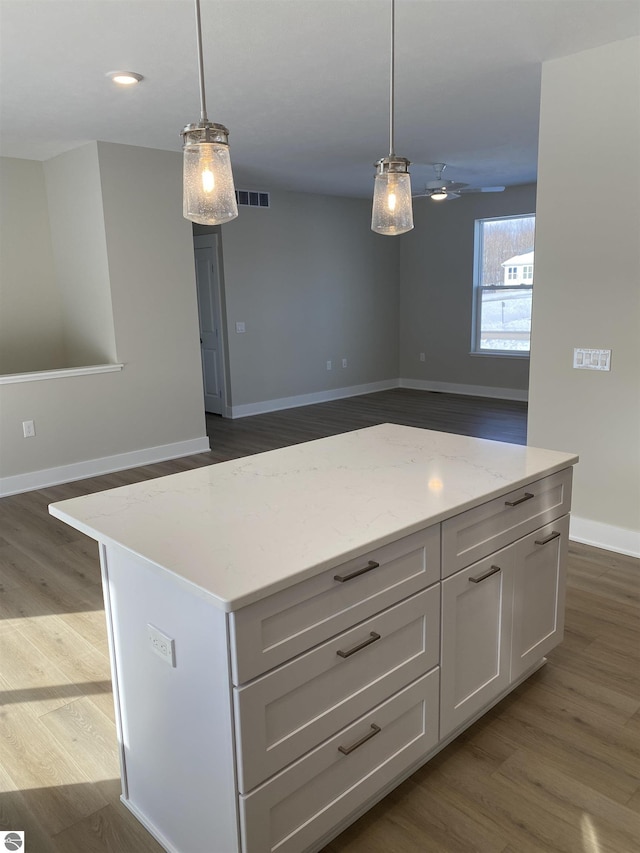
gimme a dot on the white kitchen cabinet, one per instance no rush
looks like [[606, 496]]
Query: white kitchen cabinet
[[291, 811], [500, 616], [338, 610], [476, 638], [291, 709], [539, 582]]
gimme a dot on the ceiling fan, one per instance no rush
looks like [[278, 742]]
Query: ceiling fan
[[441, 190]]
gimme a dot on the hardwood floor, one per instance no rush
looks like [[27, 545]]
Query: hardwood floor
[[501, 420], [554, 767]]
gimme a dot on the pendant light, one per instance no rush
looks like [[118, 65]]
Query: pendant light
[[392, 210], [209, 196]]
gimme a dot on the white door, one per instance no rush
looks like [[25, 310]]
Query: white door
[[210, 314]]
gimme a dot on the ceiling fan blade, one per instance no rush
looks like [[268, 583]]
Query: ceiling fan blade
[[481, 190], [445, 185]]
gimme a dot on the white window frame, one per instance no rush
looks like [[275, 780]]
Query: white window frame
[[478, 290]]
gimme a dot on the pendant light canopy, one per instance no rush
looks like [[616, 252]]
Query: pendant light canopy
[[392, 209], [209, 196]]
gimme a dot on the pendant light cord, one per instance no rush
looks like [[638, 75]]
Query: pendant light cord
[[391, 79], [203, 103]]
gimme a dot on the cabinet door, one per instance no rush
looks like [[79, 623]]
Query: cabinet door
[[538, 594], [476, 638]]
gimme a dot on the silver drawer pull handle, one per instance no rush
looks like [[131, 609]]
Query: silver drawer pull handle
[[370, 565], [549, 538], [527, 497], [486, 575], [371, 639], [345, 750]]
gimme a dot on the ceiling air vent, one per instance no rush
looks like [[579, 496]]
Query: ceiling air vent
[[252, 198]]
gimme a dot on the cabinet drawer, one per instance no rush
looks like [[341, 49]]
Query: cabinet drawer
[[287, 712], [478, 532], [298, 806], [287, 623]]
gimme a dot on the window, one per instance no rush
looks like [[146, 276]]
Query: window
[[503, 285]]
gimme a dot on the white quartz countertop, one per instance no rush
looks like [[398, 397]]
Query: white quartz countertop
[[243, 529]]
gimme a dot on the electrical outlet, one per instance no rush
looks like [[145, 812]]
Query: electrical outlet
[[162, 645], [329, 366], [240, 328], [344, 362], [422, 357], [28, 429]]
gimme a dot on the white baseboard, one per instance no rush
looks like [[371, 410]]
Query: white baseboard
[[277, 405], [618, 539], [105, 465], [465, 390]]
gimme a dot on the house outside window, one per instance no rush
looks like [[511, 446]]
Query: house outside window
[[503, 285]]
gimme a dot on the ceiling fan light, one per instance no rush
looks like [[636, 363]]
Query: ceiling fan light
[[392, 211], [438, 195]]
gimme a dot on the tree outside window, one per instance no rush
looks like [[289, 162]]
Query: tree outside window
[[503, 284]]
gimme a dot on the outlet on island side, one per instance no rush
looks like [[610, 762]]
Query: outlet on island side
[[28, 429], [162, 645]]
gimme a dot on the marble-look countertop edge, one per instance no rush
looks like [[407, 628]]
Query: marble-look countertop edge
[[256, 593]]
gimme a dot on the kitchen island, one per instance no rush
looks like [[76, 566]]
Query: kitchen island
[[293, 633]]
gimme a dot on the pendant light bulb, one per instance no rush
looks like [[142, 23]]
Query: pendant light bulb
[[209, 195], [392, 211]]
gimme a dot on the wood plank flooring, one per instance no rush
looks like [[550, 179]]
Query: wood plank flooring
[[554, 767]]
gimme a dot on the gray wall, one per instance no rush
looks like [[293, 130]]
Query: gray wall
[[587, 286], [156, 399], [436, 292], [313, 284], [31, 331], [76, 217]]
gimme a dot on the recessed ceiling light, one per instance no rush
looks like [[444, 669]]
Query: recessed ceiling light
[[125, 78]]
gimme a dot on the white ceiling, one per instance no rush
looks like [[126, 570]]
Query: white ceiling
[[302, 85]]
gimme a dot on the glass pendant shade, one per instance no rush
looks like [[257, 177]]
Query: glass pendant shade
[[392, 208], [208, 191]]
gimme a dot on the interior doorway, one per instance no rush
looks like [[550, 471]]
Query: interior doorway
[[212, 330]]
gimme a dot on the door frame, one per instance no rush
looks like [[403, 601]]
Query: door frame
[[213, 241]]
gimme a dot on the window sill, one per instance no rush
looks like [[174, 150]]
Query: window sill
[[501, 354], [37, 375]]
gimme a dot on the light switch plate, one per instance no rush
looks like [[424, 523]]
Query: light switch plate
[[591, 359]]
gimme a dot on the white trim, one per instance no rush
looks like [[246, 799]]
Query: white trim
[[36, 375], [246, 409], [466, 390], [104, 465], [618, 539]]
